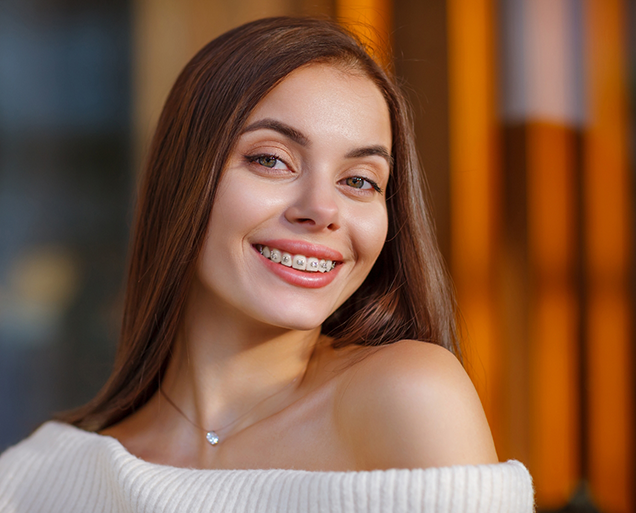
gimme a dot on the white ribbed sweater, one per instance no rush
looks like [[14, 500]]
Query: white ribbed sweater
[[63, 469]]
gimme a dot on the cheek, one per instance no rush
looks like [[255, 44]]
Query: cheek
[[371, 231], [240, 205]]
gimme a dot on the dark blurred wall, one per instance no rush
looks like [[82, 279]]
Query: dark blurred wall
[[65, 187]]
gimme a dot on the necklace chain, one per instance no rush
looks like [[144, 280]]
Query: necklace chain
[[179, 410], [210, 434]]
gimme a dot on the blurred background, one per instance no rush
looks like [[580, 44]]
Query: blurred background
[[524, 112]]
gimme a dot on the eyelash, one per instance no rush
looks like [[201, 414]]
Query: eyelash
[[373, 184], [251, 159]]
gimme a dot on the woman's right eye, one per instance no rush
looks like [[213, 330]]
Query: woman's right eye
[[268, 161]]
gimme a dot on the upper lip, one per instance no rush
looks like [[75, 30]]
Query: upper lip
[[301, 247]]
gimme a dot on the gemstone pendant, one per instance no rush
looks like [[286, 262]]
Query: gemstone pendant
[[212, 437]]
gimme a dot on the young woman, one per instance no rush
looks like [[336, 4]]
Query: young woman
[[286, 309]]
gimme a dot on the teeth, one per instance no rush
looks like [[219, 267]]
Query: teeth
[[312, 265], [274, 255], [286, 259], [299, 262], [326, 266]]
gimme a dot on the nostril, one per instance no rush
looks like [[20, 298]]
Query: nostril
[[312, 213]]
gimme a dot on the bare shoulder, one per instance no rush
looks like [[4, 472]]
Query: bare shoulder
[[411, 405]]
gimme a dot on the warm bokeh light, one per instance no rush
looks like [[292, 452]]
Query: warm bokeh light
[[371, 20], [474, 187], [549, 229], [554, 364], [608, 235]]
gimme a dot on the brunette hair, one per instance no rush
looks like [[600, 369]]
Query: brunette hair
[[406, 294]]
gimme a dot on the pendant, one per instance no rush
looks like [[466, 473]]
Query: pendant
[[212, 437]]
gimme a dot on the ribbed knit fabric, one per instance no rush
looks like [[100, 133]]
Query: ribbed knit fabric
[[63, 469]]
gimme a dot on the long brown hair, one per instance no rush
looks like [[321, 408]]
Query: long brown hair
[[406, 294]]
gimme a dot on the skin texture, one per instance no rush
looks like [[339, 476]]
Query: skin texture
[[250, 362]]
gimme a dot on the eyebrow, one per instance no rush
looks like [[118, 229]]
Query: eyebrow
[[280, 127], [300, 138], [371, 151]]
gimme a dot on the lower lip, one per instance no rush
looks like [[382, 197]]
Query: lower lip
[[300, 278]]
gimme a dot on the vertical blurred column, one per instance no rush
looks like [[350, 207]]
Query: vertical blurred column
[[474, 184], [542, 110], [372, 20], [553, 313], [421, 63], [608, 192]]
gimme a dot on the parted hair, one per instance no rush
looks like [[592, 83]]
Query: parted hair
[[407, 293]]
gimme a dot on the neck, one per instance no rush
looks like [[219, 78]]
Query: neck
[[227, 370]]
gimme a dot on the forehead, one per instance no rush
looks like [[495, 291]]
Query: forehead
[[318, 99]]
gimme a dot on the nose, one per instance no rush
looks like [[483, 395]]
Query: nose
[[316, 205]]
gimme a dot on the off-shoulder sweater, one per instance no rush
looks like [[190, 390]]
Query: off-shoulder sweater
[[63, 469]]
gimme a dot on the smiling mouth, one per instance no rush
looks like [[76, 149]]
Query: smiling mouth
[[299, 262]]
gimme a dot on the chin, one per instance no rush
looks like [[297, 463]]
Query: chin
[[300, 322], [302, 319]]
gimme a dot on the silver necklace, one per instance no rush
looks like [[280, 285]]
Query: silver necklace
[[210, 434]]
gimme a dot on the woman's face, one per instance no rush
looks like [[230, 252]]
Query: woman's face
[[304, 186]]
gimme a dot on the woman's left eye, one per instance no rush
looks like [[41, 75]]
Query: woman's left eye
[[357, 182]]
